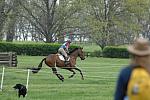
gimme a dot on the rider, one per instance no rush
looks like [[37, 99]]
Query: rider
[[64, 50]]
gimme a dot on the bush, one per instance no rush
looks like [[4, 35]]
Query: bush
[[96, 53], [31, 49], [115, 52]]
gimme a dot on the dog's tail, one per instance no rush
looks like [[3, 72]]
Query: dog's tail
[[36, 70]]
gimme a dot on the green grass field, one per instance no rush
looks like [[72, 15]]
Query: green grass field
[[100, 78]]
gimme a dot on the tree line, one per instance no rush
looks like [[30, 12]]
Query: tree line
[[106, 22]]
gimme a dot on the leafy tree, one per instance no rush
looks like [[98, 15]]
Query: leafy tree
[[114, 22], [49, 18], [4, 10], [8, 9], [11, 20]]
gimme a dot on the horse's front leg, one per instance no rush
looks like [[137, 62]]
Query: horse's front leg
[[80, 72], [73, 72], [58, 75]]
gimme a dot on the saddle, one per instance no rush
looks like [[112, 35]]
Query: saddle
[[61, 57]]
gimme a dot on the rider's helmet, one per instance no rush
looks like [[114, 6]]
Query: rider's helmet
[[69, 40]]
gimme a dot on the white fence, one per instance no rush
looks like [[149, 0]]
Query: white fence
[[3, 74], [2, 78], [44, 72]]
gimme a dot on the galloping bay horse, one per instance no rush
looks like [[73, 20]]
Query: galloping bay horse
[[53, 61]]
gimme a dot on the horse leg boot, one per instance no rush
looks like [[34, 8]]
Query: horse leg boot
[[58, 75]]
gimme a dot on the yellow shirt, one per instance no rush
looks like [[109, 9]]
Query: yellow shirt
[[139, 85]]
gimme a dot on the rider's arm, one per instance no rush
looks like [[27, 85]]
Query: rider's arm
[[67, 47]]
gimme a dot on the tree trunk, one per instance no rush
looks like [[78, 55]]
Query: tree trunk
[[11, 30], [2, 18], [49, 38], [10, 35]]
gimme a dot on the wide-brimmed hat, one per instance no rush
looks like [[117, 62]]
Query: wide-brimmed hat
[[140, 47]]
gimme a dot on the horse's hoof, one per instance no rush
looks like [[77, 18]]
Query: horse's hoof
[[82, 78], [70, 76], [34, 71], [62, 80]]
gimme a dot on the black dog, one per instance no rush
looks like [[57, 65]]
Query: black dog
[[22, 90]]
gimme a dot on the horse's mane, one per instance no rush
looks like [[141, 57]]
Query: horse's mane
[[73, 50]]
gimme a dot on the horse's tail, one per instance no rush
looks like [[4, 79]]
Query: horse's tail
[[36, 70]]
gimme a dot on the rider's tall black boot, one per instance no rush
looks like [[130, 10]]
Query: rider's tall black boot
[[66, 61]]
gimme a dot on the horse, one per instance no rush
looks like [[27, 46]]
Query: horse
[[53, 61]]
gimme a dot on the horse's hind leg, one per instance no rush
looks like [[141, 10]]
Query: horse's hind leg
[[58, 75], [80, 72], [72, 73]]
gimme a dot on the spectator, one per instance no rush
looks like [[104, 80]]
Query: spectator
[[134, 80]]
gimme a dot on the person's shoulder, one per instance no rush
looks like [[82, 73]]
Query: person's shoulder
[[129, 68], [126, 68], [126, 71]]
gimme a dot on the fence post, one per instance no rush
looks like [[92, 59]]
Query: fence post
[[2, 79], [28, 79], [10, 58]]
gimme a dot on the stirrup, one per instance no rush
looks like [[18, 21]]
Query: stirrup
[[66, 59], [66, 63]]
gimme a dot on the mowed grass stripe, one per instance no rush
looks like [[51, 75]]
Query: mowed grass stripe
[[100, 79]]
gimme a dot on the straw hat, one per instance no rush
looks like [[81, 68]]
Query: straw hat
[[140, 47]]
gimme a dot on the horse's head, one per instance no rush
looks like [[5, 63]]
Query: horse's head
[[81, 53], [77, 52]]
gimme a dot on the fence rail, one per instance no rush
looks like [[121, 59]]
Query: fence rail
[[8, 59]]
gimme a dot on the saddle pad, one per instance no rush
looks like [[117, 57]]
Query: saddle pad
[[62, 58]]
